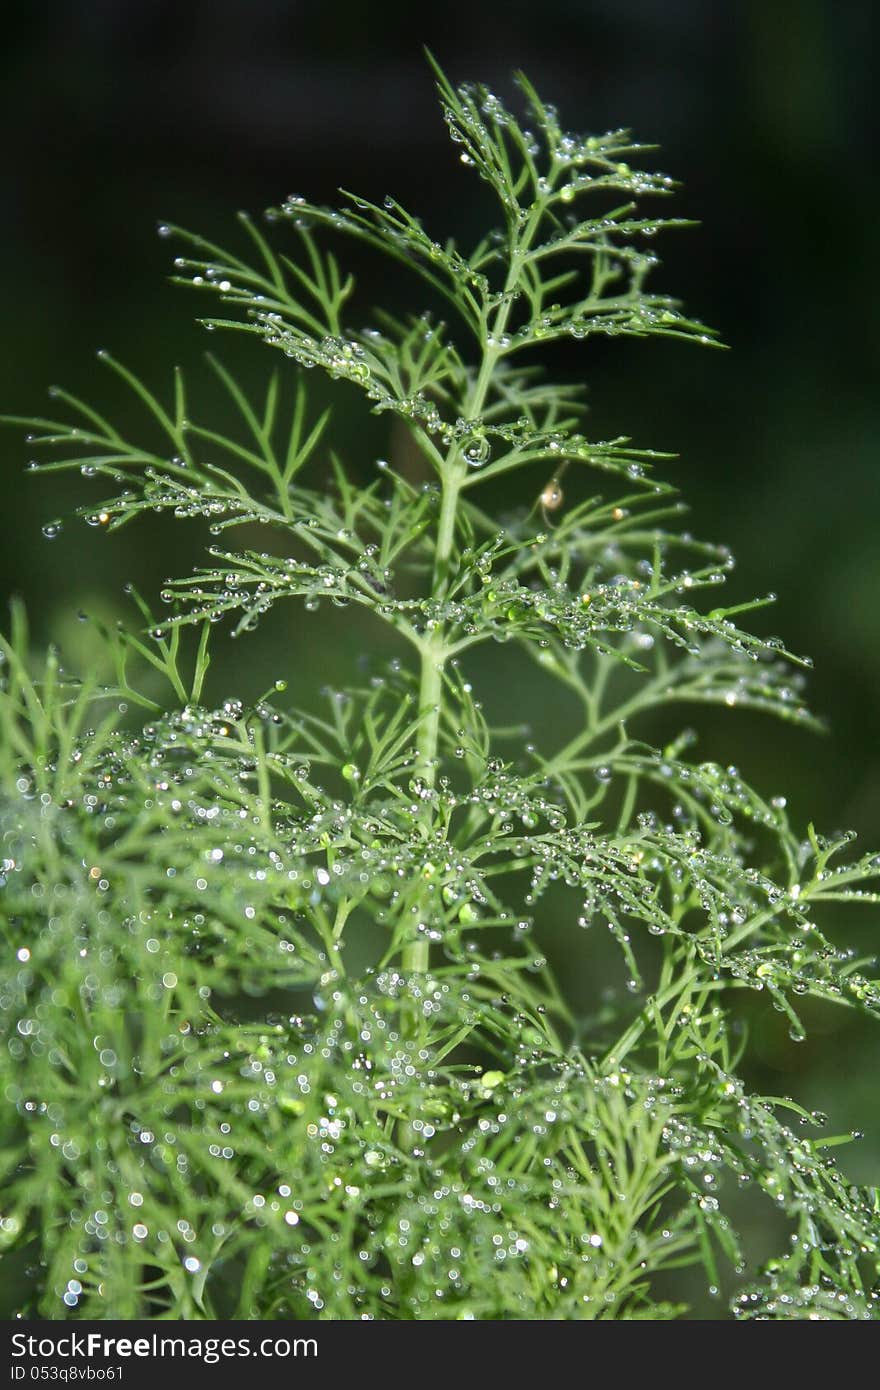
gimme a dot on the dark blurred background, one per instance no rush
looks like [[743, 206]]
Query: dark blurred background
[[116, 116]]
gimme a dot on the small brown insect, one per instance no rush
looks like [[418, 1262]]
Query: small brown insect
[[552, 497]]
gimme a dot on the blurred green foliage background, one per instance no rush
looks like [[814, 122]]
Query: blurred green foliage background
[[116, 116]]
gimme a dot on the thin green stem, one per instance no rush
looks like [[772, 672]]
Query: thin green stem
[[435, 652]]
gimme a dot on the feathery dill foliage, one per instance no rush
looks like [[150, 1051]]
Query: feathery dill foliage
[[209, 1115]]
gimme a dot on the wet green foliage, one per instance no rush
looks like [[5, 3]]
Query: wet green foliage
[[216, 1106]]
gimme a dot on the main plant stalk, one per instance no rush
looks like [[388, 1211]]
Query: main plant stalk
[[434, 649]]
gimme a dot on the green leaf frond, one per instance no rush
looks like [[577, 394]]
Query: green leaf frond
[[281, 1036]]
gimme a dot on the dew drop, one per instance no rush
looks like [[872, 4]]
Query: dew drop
[[477, 450]]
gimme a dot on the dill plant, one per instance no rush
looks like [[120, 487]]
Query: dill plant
[[210, 1114]]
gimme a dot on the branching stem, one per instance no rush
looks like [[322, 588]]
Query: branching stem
[[435, 653]]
